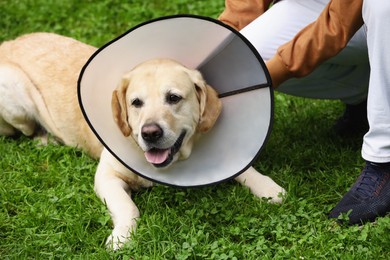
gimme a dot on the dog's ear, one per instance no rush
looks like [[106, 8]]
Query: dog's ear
[[119, 107], [210, 104], [210, 107]]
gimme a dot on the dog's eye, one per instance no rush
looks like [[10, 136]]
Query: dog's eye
[[137, 102], [173, 98]]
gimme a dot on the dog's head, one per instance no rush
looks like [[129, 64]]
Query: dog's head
[[162, 105]]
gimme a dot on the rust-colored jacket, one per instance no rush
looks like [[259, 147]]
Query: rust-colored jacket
[[317, 42]]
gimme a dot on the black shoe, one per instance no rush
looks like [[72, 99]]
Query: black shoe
[[353, 122], [368, 198]]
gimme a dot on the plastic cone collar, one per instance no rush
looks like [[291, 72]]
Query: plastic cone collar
[[227, 61]]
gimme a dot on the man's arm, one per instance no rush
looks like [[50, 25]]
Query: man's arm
[[239, 13]]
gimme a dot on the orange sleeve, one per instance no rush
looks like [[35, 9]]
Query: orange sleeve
[[317, 42], [239, 13]]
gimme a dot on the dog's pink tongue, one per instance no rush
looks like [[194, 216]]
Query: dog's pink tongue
[[157, 156]]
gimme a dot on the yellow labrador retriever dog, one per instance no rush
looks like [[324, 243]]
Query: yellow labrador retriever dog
[[38, 91]]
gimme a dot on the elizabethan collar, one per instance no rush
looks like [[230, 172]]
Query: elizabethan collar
[[227, 61]]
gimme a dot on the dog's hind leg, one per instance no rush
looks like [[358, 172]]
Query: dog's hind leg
[[16, 108], [5, 128], [261, 186]]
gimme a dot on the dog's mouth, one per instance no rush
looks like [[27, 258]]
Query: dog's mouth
[[163, 157]]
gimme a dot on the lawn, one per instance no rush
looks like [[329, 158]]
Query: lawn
[[49, 209]]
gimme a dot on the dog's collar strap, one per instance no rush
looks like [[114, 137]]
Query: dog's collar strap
[[227, 61]]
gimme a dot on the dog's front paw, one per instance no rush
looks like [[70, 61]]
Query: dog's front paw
[[261, 186], [118, 237], [274, 192], [265, 187]]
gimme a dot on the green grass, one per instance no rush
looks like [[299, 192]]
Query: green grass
[[49, 210]]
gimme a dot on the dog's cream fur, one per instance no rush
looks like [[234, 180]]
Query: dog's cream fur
[[155, 103]]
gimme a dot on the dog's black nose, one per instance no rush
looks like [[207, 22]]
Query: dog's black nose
[[151, 132]]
